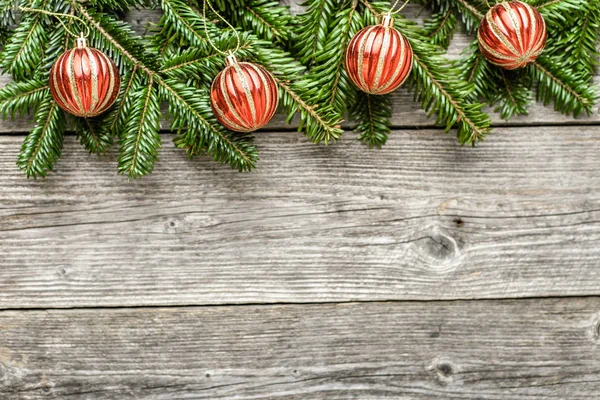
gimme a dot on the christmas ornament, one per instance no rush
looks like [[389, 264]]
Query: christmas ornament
[[379, 58], [84, 81], [512, 34], [244, 96]]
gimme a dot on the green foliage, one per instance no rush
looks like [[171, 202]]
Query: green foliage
[[373, 115], [265, 18], [198, 130], [312, 28], [43, 146], [572, 94], [25, 48], [139, 140], [176, 64], [94, 133], [440, 28], [22, 97]]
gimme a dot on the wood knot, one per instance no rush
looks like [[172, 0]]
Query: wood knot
[[444, 371], [438, 248], [596, 331]]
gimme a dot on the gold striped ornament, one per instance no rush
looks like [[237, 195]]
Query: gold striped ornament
[[84, 81], [512, 35], [379, 58], [244, 96]]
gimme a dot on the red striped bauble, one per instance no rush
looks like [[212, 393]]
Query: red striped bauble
[[512, 34], [84, 81], [244, 96], [379, 58]]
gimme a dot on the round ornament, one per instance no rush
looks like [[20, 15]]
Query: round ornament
[[84, 81], [512, 34], [244, 96], [379, 58]]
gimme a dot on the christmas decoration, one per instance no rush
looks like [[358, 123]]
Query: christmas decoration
[[512, 35], [84, 81], [244, 96], [379, 58], [305, 55]]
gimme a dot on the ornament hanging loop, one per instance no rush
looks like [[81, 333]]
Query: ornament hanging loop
[[58, 15], [237, 35], [392, 11]]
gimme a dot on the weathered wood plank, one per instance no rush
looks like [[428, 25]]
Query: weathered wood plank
[[518, 350], [423, 218], [407, 113]]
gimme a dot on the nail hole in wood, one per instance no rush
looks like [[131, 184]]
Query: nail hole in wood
[[459, 222]]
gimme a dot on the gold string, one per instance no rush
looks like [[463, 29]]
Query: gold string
[[398, 10], [54, 14], [237, 35]]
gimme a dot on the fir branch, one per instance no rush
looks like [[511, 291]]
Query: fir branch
[[312, 28], [559, 13], [120, 5], [43, 146], [25, 49], [514, 97], [475, 69], [199, 131], [440, 28], [373, 115], [571, 92], [120, 113], [439, 87], [118, 40], [140, 140], [94, 133], [327, 81], [320, 124], [265, 18], [22, 97]]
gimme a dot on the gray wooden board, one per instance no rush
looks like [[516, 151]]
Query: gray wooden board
[[525, 349], [407, 113], [422, 218]]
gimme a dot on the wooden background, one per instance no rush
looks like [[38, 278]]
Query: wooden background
[[422, 270]]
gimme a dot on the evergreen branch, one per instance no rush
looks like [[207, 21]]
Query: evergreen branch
[[266, 19], [25, 49], [43, 146], [22, 97], [328, 82], [558, 13], [117, 39], [312, 28], [440, 28], [471, 14], [514, 98], [94, 133], [322, 126], [571, 92], [119, 115], [476, 70], [199, 131], [140, 141], [439, 87], [373, 114], [120, 5], [180, 19]]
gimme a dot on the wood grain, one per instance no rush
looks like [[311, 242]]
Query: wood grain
[[422, 218], [527, 349], [407, 113]]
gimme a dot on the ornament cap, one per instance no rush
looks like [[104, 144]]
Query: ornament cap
[[231, 60], [81, 42], [387, 21]]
